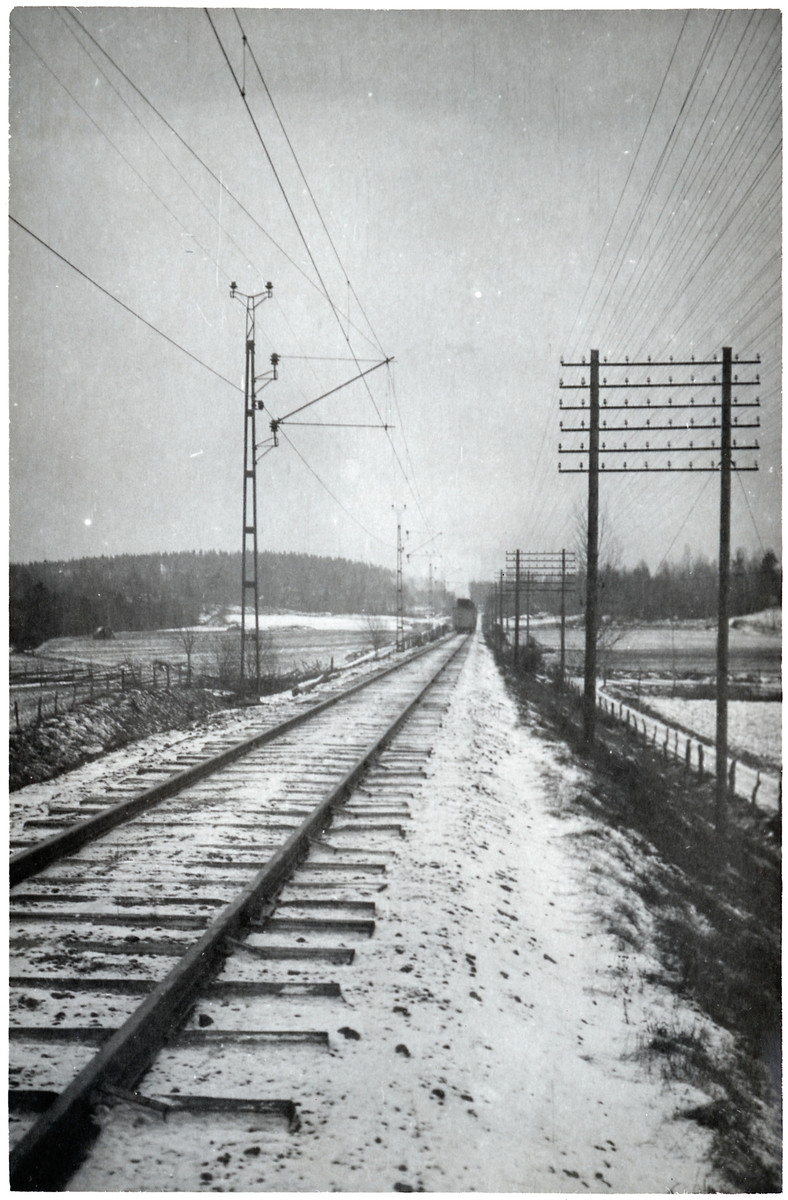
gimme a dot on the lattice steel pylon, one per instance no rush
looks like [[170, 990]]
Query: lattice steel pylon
[[250, 578], [400, 643]]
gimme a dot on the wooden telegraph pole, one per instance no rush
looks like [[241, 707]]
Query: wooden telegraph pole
[[563, 621], [654, 418], [720, 805], [592, 558], [516, 607]]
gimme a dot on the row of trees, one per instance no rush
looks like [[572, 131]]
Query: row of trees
[[165, 591], [685, 590]]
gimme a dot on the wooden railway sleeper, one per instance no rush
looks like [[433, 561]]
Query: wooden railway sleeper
[[48, 1153], [35, 857]]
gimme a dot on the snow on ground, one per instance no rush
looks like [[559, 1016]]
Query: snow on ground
[[770, 620], [500, 1022], [749, 781], [753, 725], [119, 765], [524, 1016]]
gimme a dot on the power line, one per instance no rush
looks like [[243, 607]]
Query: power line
[[202, 163], [84, 275], [260, 138], [306, 182], [117, 149], [334, 308], [333, 497]]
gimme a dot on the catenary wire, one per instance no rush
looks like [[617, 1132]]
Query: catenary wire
[[303, 238], [205, 166], [248, 44], [331, 494]]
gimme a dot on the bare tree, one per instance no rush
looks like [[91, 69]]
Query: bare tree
[[226, 649], [376, 631], [187, 638]]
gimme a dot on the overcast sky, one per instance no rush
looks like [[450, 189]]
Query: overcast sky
[[501, 189]]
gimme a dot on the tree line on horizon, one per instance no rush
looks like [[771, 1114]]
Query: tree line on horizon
[[167, 591], [684, 591]]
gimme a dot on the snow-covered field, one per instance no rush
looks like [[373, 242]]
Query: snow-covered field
[[753, 725], [674, 649], [295, 639]]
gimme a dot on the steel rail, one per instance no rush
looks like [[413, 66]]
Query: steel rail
[[34, 858], [48, 1154]]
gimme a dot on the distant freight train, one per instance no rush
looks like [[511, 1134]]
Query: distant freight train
[[463, 616]]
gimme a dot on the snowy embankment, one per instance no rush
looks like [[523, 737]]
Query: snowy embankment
[[524, 1019]]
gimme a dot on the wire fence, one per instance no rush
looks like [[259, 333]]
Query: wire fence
[[758, 786], [40, 695], [45, 688]]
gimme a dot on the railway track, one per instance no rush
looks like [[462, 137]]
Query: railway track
[[177, 957]]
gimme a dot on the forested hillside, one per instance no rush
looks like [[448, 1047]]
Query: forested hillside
[[683, 591], [155, 591]]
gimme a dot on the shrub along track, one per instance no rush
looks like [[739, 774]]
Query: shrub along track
[[717, 906], [91, 927]]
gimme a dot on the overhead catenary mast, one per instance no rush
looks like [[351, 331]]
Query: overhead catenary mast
[[249, 562]]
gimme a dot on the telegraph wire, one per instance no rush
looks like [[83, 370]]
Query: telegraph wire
[[681, 234], [639, 217], [713, 240], [655, 291], [607, 284], [713, 236], [629, 173], [625, 241], [84, 275]]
